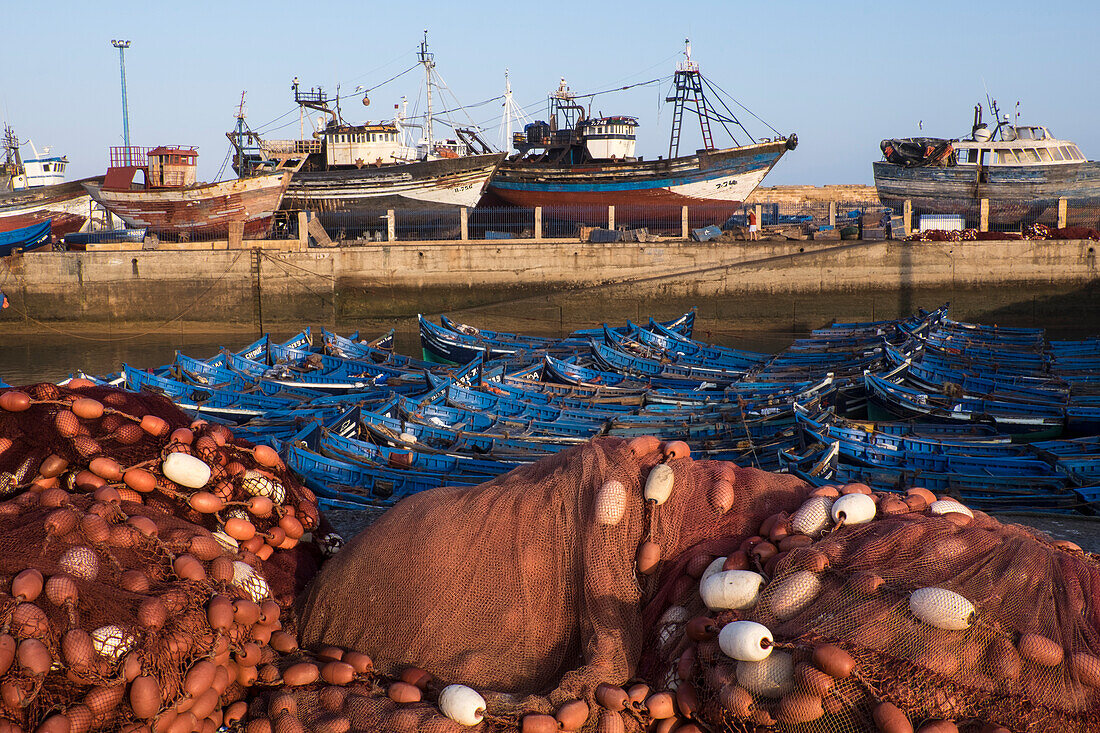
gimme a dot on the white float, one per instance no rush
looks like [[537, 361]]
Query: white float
[[658, 485], [771, 677], [462, 704], [745, 641], [853, 509], [731, 589], [948, 506], [942, 608], [812, 517], [186, 470], [611, 503], [794, 592]]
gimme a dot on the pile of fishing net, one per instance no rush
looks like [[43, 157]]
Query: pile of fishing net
[[145, 563], [622, 586], [1031, 231], [1042, 231]]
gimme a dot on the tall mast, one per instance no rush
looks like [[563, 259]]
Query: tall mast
[[240, 133], [688, 88], [506, 143], [122, 46], [428, 60]]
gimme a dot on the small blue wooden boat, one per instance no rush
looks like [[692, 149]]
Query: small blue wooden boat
[[83, 239], [25, 238], [1037, 421]]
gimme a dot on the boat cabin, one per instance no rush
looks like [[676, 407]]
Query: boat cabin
[[44, 170], [167, 166], [172, 167], [368, 144], [609, 138], [1017, 146]]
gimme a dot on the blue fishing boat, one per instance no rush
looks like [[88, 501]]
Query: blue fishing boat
[[25, 238], [1037, 421]]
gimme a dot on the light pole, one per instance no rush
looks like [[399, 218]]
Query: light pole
[[122, 46]]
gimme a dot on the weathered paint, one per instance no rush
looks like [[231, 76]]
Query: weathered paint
[[1014, 192], [61, 198], [424, 184], [198, 209], [713, 177]]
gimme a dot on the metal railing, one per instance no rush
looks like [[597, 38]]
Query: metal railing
[[990, 218]]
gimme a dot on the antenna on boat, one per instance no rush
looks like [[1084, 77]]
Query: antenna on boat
[[428, 60], [511, 113]]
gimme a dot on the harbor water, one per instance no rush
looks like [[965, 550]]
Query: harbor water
[[51, 352]]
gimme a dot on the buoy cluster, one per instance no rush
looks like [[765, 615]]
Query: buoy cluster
[[99, 441], [125, 618], [853, 611], [134, 589]]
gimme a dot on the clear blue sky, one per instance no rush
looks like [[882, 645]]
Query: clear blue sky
[[843, 75]]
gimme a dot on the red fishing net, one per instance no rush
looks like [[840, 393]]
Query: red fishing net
[[522, 603], [143, 559], [619, 586]]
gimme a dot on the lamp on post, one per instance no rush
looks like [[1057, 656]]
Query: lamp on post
[[122, 46]]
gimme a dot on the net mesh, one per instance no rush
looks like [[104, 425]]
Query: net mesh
[[618, 586], [126, 596], [529, 589]]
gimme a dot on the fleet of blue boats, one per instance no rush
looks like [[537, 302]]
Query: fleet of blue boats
[[998, 417]]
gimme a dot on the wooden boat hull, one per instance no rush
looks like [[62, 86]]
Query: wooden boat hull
[[720, 179], [433, 184], [60, 202], [1015, 193], [61, 223], [201, 209], [26, 237]]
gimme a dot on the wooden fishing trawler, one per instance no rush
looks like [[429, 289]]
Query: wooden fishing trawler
[[1022, 170], [34, 189], [171, 203], [368, 167], [575, 160]]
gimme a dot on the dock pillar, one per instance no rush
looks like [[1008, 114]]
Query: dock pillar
[[303, 230], [236, 234], [907, 217], [760, 220], [538, 222], [610, 217], [1063, 212], [983, 221], [832, 213], [391, 226], [464, 223], [684, 223]]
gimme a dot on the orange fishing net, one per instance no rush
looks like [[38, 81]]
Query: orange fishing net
[[143, 560], [557, 598]]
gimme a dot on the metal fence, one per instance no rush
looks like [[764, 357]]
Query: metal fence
[[1012, 218]]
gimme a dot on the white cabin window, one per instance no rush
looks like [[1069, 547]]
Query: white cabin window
[[1066, 151], [1029, 155], [1044, 155], [1002, 157], [1077, 153], [1056, 153]]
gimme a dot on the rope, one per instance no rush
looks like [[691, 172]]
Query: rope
[[286, 268], [131, 337]]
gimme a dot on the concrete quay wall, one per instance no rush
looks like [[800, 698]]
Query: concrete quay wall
[[402, 278]]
